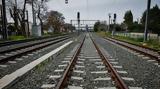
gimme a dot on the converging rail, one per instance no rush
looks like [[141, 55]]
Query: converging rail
[[115, 76], [65, 77], [63, 82]]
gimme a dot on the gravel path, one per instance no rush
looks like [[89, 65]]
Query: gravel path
[[146, 73]]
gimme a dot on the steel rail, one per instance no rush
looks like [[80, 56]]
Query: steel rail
[[115, 76], [30, 44], [63, 81], [7, 43], [155, 50], [20, 53], [157, 58]]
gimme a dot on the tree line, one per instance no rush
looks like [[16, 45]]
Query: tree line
[[137, 26]]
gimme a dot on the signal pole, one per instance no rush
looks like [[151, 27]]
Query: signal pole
[[109, 21], [114, 28], [78, 19], [147, 19], [4, 21]]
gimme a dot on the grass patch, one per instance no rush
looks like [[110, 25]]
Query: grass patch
[[103, 34], [16, 38], [42, 65], [154, 44]]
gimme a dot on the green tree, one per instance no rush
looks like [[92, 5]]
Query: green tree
[[96, 26], [154, 20], [128, 19], [136, 27]]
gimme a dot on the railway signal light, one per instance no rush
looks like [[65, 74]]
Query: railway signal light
[[115, 16], [114, 20], [78, 15], [66, 1]]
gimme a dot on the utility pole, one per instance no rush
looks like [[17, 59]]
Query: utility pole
[[109, 21], [4, 21], [147, 19], [28, 33]]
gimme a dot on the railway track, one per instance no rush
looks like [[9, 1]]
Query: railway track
[[23, 49], [8, 43], [9, 48], [87, 67], [143, 50]]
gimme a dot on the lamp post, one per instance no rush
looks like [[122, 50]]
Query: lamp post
[[147, 19]]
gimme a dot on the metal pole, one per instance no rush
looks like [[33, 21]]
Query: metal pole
[[109, 21], [78, 18], [147, 19], [78, 26], [4, 21], [114, 28], [28, 33]]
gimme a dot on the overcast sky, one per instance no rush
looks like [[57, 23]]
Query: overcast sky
[[99, 9]]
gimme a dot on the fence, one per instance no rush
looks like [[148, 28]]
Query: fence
[[137, 35]]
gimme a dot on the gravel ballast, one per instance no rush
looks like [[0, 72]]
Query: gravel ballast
[[39, 75], [146, 74], [25, 59]]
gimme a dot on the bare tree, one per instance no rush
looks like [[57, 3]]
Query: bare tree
[[42, 10], [18, 14], [14, 13]]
